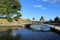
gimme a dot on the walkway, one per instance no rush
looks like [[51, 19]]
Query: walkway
[[56, 27]]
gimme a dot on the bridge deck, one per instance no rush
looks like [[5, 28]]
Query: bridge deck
[[56, 27]]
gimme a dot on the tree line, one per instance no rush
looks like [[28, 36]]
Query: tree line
[[56, 20]]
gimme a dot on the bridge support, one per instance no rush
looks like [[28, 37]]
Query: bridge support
[[55, 30], [27, 25]]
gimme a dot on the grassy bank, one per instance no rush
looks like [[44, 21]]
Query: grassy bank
[[20, 21], [4, 22]]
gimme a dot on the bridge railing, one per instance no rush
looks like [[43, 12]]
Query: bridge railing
[[55, 24]]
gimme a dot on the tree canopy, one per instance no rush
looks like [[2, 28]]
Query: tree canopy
[[9, 8], [42, 18], [57, 20], [33, 18]]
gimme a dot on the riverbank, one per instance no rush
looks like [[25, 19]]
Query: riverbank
[[20, 21], [5, 25]]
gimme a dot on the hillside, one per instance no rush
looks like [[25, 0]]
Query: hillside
[[19, 22]]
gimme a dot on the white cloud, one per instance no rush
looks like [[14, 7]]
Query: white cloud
[[55, 2], [39, 6], [51, 1]]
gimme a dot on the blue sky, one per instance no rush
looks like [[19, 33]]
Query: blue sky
[[37, 8]]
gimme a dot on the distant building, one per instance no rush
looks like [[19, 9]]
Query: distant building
[[33, 21]]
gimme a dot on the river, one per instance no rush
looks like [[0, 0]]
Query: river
[[36, 33]]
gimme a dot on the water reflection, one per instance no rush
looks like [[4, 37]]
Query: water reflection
[[41, 28], [28, 34], [8, 36]]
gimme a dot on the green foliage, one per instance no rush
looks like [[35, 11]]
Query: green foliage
[[18, 16], [57, 20], [33, 18], [9, 19], [28, 19], [50, 20], [10, 7], [42, 18]]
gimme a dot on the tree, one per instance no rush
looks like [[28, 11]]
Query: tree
[[28, 19], [33, 18], [42, 18], [57, 20], [50, 20], [9, 8]]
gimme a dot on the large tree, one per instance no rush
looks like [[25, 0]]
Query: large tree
[[42, 18], [9, 8], [57, 20], [33, 18]]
